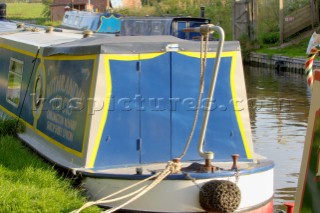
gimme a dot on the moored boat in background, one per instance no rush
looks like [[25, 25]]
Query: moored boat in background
[[115, 24], [97, 22]]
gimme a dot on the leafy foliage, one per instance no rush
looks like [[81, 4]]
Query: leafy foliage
[[10, 126], [271, 38], [47, 11], [292, 5]]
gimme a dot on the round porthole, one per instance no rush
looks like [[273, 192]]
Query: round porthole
[[38, 90], [38, 93]]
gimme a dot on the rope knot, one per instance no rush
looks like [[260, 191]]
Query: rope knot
[[205, 29], [174, 167]]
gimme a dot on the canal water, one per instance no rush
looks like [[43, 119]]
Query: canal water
[[279, 106]]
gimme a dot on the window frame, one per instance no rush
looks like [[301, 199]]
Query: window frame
[[9, 97]]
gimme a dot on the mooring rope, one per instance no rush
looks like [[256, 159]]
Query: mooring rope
[[309, 63], [203, 64], [104, 199], [172, 167], [34, 62]]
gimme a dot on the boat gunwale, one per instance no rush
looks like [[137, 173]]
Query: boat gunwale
[[259, 167]]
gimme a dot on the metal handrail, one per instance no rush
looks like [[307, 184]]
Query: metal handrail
[[206, 30]]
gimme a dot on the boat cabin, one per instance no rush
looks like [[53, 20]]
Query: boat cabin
[[97, 22], [132, 26], [137, 26]]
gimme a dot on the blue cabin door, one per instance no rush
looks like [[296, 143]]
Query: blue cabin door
[[155, 84], [223, 134], [138, 128], [119, 140]]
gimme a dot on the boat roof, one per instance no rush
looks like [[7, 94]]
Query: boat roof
[[128, 18], [36, 35], [71, 42], [132, 44], [7, 26]]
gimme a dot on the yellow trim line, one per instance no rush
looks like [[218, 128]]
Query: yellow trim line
[[104, 114], [236, 109]]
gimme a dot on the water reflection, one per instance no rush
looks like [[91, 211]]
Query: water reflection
[[279, 107]]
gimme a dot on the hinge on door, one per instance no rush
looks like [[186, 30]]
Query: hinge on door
[[138, 66], [139, 144]]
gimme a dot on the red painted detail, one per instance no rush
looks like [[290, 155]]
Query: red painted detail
[[309, 62], [310, 80], [268, 208], [317, 75], [313, 50], [290, 207]]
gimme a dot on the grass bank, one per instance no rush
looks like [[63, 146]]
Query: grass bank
[[295, 49], [28, 12], [24, 10], [28, 184]]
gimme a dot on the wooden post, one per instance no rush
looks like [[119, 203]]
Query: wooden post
[[249, 17], [312, 12], [316, 11], [254, 19], [281, 19], [233, 20], [254, 11], [108, 5]]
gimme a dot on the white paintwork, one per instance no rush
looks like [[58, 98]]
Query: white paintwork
[[98, 104], [183, 195]]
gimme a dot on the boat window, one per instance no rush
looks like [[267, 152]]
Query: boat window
[[181, 26], [76, 21], [81, 18], [157, 28], [138, 28], [65, 20], [14, 81], [193, 35], [70, 20]]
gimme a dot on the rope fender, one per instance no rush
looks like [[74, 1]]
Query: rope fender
[[221, 196]]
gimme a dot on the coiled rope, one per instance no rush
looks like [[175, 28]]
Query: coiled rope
[[309, 63]]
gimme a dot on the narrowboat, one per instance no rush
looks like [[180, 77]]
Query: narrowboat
[[107, 22], [153, 123], [138, 26], [114, 24]]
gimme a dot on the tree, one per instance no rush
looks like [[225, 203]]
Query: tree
[[47, 11]]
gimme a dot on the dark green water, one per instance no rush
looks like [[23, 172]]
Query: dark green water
[[279, 107]]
